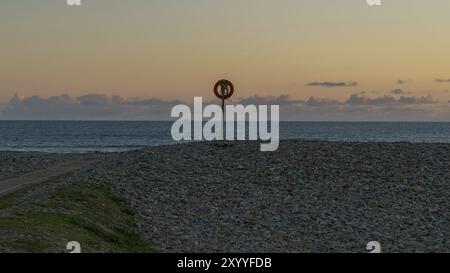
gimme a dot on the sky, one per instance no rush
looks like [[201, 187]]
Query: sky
[[315, 54]]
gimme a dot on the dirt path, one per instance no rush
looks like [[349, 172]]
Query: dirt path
[[16, 183]]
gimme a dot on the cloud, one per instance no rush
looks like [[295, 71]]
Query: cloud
[[361, 108], [94, 99], [417, 100], [261, 100], [442, 80], [332, 84], [313, 101], [363, 100], [388, 100], [62, 100], [404, 81], [86, 107], [357, 107], [149, 102], [399, 91]]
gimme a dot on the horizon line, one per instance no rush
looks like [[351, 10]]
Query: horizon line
[[282, 121]]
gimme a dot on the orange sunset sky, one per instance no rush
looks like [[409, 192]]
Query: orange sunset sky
[[175, 49]]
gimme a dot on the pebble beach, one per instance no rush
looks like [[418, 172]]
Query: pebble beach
[[309, 196]]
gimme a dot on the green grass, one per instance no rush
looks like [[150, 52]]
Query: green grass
[[90, 214], [9, 199]]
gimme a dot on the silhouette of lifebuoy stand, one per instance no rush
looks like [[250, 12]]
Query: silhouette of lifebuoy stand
[[223, 89]]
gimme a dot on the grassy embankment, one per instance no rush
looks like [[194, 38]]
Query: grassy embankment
[[89, 214]]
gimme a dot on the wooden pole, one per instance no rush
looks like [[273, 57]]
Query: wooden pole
[[223, 118]]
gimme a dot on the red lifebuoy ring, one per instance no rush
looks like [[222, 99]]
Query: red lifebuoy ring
[[218, 93]]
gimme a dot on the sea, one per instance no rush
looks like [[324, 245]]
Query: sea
[[117, 136]]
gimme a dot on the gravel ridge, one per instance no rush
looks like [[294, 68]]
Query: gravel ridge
[[309, 196]]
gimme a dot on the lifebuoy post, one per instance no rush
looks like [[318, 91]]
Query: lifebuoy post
[[223, 89]]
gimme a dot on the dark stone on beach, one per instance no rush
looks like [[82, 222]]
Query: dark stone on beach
[[310, 196]]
